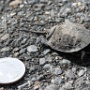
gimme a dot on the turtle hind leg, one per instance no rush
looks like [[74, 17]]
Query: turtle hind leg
[[83, 54]]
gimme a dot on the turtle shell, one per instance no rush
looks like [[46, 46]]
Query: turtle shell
[[69, 37]]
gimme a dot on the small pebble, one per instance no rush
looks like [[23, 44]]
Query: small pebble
[[16, 54], [48, 67], [49, 59], [21, 6], [5, 37], [42, 61], [52, 87], [57, 71], [68, 10], [81, 73], [40, 77], [44, 1], [34, 1], [46, 51], [5, 49], [15, 3], [47, 13], [65, 61], [36, 85], [79, 3], [70, 74], [68, 85], [22, 51], [74, 4], [57, 80], [12, 14], [32, 48], [15, 49], [20, 87], [74, 69], [64, 0]]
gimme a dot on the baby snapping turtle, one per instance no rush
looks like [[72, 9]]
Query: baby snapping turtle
[[67, 37]]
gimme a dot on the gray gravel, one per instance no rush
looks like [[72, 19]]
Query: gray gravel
[[32, 48], [52, 87], [46, 69]]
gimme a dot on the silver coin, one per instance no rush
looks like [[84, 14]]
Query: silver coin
[[11, 70]]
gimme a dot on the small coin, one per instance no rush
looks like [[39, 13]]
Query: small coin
[[11, 70]]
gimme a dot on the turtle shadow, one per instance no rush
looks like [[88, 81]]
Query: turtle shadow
[[76, 57]]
